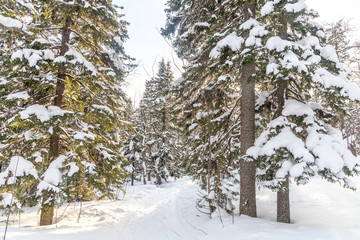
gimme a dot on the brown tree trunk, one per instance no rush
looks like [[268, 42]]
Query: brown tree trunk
[[283, 198], [47, 213], [132, 178], [47, 208], [144, 179], [283, 203], [158, 178], [247, 137]]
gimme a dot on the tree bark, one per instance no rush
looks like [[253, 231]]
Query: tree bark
[[283, 198], [132, 178], [283, 203], [47, 208], [47, 212], [247, 137]]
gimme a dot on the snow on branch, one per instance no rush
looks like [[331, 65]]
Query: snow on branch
[[52, 176], [33, 56], [42, 113], [76, 58], [303, 150], [232, 41], [18, 167]]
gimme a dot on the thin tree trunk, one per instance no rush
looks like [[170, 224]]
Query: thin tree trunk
[[283, 198], [247, 137], [143, 167], [283, 203], [144, 178], [47, 209], [132, 178]]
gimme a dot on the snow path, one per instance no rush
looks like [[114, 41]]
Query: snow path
[[154, 212], [320, 211]]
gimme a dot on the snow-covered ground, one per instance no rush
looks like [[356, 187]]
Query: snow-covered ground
[[320, 210]]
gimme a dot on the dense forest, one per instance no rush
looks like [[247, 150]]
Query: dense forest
[[267, 98]]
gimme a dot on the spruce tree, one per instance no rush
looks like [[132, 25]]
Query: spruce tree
[[208, 36], [13, 33], [274, 45], [66, 108], [160, 134], [135, 149], [340, 35], [299, 141]]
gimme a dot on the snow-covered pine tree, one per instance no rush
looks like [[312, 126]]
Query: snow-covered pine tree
[[299, 141], [66, 107], [340, 35], [211, 37], [15, 19], [135, 149], [160, 134]]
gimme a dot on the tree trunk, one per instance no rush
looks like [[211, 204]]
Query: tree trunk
[[47, 208], [47, 212], [132, 178], [158, 178], [143, 167], [247, 137], [283, 198], [283, 203]]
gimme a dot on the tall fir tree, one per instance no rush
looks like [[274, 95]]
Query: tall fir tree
[[14, 24], [299, 141], [219, 67], [66, 108], [340, 35], [155, 131], [134, 149], [275, 45]]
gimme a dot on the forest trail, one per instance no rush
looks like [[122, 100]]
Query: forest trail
[[167, 212], [146, 212]]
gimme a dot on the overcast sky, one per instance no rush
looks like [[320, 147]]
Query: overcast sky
[[146, 17]]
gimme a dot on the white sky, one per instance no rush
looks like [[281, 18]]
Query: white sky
[[147, 45]]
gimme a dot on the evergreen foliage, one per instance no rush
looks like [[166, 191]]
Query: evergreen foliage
[[65, 108], [339, 34], [208, 99], [135, 150], [300, 65], [67, 132], [153, 149], [293, 66]]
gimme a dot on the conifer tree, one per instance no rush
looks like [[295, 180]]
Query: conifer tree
[[135, 149], [283, 52], [13, 32], [66, 109], [299, 141], [339, 34], [210, 40], [160, 137]]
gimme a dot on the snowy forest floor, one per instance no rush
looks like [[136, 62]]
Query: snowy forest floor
[[319, 210]]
